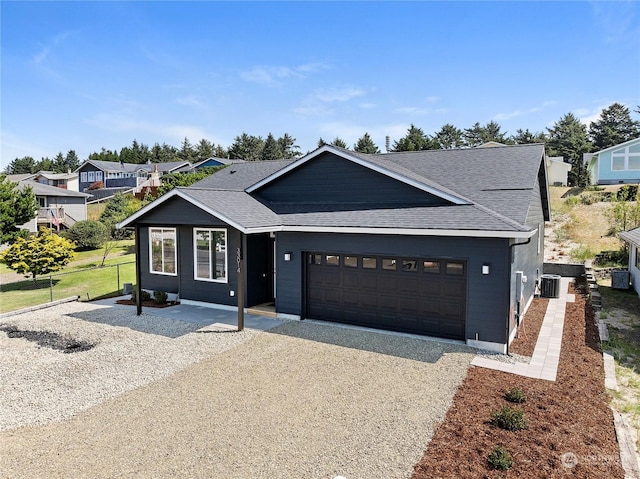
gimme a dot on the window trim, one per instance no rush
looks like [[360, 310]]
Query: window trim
[[637, 257], [83, 176], [224, 279], [175, 241], [625, 156]]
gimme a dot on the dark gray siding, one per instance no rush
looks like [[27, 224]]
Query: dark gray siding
[[487, 295], [177, 211], [329, 179], [121, 182], [529, 258]]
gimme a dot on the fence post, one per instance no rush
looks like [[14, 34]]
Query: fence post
[[118, 273], [51, 288]]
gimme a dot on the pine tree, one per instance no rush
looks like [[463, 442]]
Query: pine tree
[[449, 137], [271, 149], [568, 138], [18, 205], [614, 126], [414, 140], [366, 145]]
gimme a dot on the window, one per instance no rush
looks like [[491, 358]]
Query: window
[[369, 263], [332, 260], [351, 261], [456, 269], [409, 265], [627, 158], [389, 264], [98, 175], [315, 259], [210, 254], [431, 267], [162, 250], [637, 257], [83, 176], [91, 176]]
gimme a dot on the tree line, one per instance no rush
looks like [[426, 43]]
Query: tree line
[[568, 137]]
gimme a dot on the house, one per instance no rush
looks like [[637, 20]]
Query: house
[[633, 238], [557, 171], [208, 163], [67, 181], [614, 165], [58, 207], [445, 243], [114, 174]]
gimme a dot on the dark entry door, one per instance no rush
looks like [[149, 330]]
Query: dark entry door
[[414, 295]]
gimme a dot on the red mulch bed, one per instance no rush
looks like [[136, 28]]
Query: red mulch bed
[[530, 328], [570, 415]]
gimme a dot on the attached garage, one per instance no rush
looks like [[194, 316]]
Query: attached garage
[[414, 295]]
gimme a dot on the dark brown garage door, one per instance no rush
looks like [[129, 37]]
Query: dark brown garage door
[[420, 296]]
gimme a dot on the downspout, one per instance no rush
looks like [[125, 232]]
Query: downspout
[[511, 246]]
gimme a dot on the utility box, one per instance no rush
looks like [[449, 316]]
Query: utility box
[[550, 286], [127, 288], [620, 279]]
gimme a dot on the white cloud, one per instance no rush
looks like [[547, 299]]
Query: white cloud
[[413, 110], [191, 100], [333, 95], [517, 113], [351, 132], [44, 52], [319, 102], [276, 75]]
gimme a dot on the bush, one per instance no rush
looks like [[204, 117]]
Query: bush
[[572, 201], [88, 235], [581, 253], [500, 458], [515, 395], [97, 185], [144, 295], [160, 297], [509, 418]]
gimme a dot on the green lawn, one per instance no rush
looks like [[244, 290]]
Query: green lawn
[[83, 277]]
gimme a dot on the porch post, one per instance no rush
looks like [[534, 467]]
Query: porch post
[[138, 274], [240, 271]]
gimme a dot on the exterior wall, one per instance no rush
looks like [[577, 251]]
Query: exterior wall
[[528, 258], [487, 295], [334, 180], [607, 176], [87, 168], [557, 173], [121, 182], [76, 207], [634, 261]]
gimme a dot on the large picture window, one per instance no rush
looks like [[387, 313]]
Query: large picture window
[[210, 254], [627, 158], [162, 250]]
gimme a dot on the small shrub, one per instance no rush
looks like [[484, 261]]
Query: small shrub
[[160, 297], [509, 418], [515, 395], [97, 185], [144, 295], [581, 253], [500, 458], [572, 201], [88, 235]]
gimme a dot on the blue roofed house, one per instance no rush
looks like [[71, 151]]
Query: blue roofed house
[[615, 165], [632, 237], [444, 243]]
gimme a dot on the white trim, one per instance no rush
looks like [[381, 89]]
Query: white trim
[[175, 261], [372, 166], [224, 279], [204, 304], [620, 145]]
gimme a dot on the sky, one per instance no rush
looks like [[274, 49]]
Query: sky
[[89, 75]]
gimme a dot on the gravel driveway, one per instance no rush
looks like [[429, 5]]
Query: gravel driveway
[[302, 400]]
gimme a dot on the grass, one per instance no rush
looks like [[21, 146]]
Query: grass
[[83, 277]]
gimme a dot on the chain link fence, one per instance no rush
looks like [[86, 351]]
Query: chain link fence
[[88, 284]]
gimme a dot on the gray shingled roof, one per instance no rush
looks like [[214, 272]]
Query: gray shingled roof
[[498, 183], [631, 236], [40, 189], [133, 167]]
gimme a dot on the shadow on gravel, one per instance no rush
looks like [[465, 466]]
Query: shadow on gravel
[[48, 339], [424, 350]]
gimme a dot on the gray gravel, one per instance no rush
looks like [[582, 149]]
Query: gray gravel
[[302, 400]]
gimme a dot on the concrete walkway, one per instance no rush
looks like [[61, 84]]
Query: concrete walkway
[[201, 315], [546, 355]]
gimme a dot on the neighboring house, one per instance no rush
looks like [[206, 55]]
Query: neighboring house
[[57, 207], [633, 238], [118, 175], [614, 165], [557, 171], [67, 181], [429, 242], [209, 162]]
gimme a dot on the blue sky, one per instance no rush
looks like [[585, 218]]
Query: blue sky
[[87, 75]]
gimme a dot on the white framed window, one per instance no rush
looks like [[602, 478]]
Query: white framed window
[[627, 158], [162, 251], [98, 175], [210, 254], [83, 176], [91, 176]]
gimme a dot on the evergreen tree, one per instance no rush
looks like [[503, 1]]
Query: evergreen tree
[[45, 164], [246, 147], [23, 165], [480, 134], [18, 205], [614, 126], [449, 137], [366, 145], [340, 143], [187, 152], [526, 137], [104, 155], [568, 138], [414, 140], [204, 150], [288, 147], [271, 149]]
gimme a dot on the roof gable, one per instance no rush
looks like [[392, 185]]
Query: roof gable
[[620, 145]]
